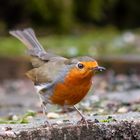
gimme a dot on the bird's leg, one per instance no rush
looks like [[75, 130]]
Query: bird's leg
[[43, 105], [83, 120], [44, 108], [39, 88], [65, 109]]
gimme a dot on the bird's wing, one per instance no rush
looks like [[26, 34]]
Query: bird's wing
[[47, 66], [48, 72]]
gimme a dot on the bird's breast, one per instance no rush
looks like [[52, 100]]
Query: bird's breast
[[71, 91]]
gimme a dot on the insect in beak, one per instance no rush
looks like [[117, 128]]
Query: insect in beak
[[98, 68]]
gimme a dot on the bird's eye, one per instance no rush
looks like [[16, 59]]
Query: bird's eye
[[80, 65]]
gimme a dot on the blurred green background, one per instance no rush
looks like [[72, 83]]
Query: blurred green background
[[108, 30], [78, 27]]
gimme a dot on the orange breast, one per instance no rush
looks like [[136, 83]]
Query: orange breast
[[72, 90]]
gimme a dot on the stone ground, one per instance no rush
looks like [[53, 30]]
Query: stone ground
[[113, 107], [126, 127]]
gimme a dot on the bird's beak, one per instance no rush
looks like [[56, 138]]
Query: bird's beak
[[99, 68]]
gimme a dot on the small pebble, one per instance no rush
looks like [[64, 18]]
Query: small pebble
[[66, 120], [52, 115], [10, 134], [6, 128], [109, 117], [95, 114], [29, 117], [100, 110], [15, 117], [122, 110], [59, 122], [96, 121]]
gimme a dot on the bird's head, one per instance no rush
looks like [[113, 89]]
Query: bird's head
[[84, 67]]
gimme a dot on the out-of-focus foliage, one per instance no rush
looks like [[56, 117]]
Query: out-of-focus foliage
[[64, 15], [97, 42]]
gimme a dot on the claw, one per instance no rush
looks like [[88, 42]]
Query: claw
[[48, 123], [83, 121]]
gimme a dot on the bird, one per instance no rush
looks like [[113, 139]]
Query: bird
[[58, 80]]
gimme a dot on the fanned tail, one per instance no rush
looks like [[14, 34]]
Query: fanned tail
[[28, 37]]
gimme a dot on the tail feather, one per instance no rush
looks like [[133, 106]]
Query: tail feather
[[28, 37]]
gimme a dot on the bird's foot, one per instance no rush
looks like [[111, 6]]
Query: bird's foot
[[47, 123], [84, 121]]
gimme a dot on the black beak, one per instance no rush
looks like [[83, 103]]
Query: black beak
[[99, 68]]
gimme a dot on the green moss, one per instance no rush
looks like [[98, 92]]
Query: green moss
[[108, 120], [18, 119]]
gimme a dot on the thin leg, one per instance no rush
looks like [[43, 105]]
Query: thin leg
[[78, 111], [65, 109], [83, 120], [44, 108], [43, 103]]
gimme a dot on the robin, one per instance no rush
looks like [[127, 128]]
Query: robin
[[58, 80]]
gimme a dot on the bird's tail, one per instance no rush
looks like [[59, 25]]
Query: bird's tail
[[28, 37]]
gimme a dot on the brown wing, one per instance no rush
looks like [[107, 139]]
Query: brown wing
[[46, 73], [46, 65]]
